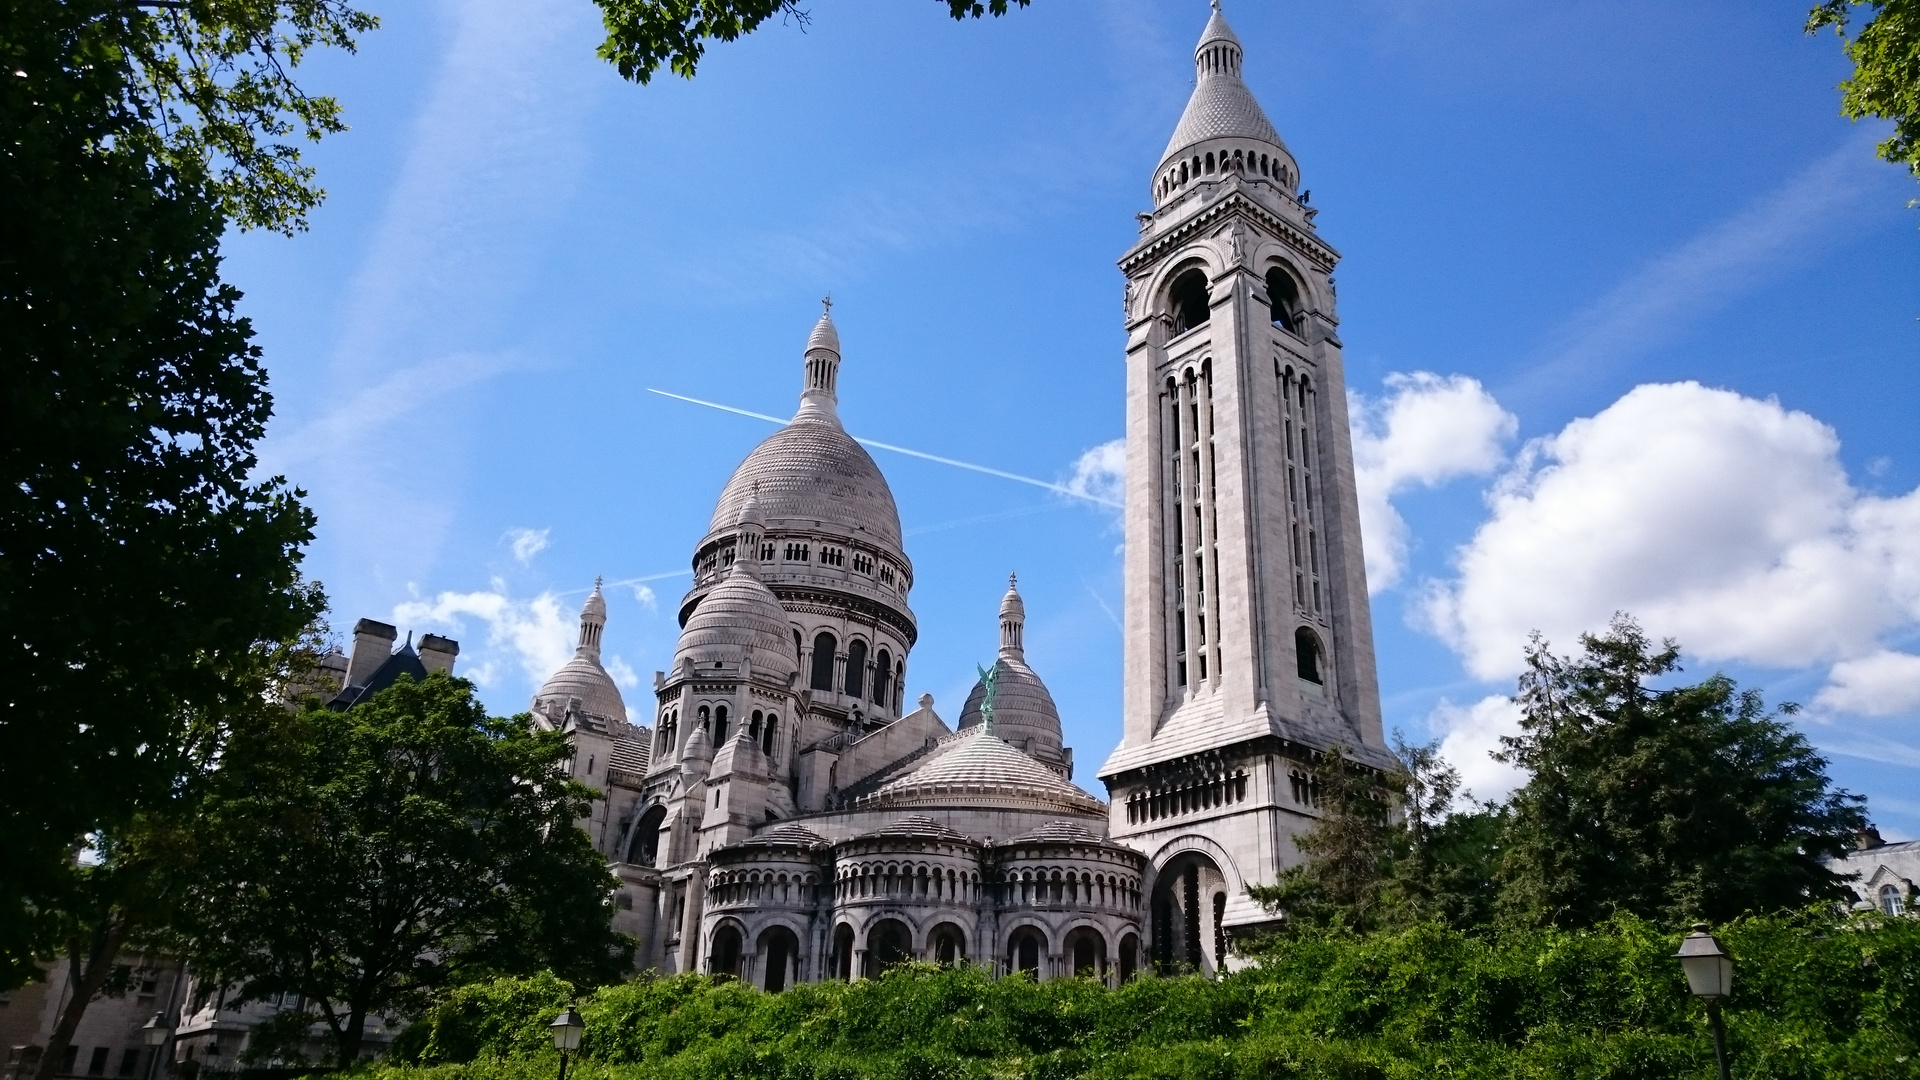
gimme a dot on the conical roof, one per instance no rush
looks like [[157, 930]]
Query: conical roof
[[1221, 106]]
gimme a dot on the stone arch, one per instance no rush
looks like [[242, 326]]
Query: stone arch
[[889, 942], [725, 947], [1189, 301], [1084, 949], [843, 938], [778, 950], [643, 845], [1027, 950], [947, 944]]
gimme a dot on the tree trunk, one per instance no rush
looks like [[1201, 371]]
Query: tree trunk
[[352, 1036], [84, 981]]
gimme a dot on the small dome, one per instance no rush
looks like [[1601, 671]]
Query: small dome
[[785, 835], [917, 827], [1023, 710], [825, 336], [582, 677], [737, 620], [975, 768], [596, 605], [1221, 106]]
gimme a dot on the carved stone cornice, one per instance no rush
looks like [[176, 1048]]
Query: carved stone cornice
[[1233, 203]]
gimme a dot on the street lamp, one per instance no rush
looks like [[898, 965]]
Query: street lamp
[[155, 1033], [566, 1028], [1710, 976]]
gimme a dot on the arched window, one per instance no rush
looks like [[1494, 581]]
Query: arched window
[[1023, 951], [1129, 957], [724, 957], [719, 726], [949, 945], [1284, 296], [1188, 298], [1209, 161], [766, 734], [856, 668], [1891, 901], [823, 650], [888, 943], [753, 726], [883, 679], [782, 949], [669, 731], [1306, 648], [843, 952], [644, 848], [706, 720]]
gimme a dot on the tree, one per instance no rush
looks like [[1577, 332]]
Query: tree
[[1886, 69], [1390, 849], [1349, 850], [644, 35], [1672, 804], [365, 859], [141, 564], [125, 897]]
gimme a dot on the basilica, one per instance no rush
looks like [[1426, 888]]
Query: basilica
[[781, 813]]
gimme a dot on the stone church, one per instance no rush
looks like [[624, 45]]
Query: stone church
[[784, 817]]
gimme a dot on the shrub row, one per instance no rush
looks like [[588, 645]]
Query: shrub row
[[1815, 997]]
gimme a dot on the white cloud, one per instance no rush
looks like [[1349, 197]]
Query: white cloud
[[526, 543], [1428, 430], [1100, 473], [644, 595], [1883, 683], [535, 633], [1721, 520], [1470, 734], [622, 672]]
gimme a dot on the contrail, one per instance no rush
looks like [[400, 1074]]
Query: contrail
[[1057, 488]]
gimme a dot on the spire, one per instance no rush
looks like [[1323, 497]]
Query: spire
[[1223, 124], [748, 528], [593, 619], [1013, 619], [823, 361]]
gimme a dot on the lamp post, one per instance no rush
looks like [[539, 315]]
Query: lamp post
[[566, 1028], [1710, 976], [155, 1033]]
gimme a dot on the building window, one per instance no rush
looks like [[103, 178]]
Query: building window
[[1306, 648], [1283, 299], [856, 669], [1891, 901], [862, 563], [1188, 299], [824, 646], [883, 679]]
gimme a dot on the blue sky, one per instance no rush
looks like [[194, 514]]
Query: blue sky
[[1628, 308]]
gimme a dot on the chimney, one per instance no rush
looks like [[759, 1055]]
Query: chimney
[[437, 653], [1868, 838], [372, 644]]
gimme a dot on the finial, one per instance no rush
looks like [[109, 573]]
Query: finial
[[826, 302], [1216, 5], [1012, 580], [597, 580]]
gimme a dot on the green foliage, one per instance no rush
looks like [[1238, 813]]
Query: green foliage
[[644, 35], [142, 565], [1815, 997], [1671, 804], [1886, 69], [365, 859]]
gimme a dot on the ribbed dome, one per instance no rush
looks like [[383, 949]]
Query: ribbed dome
[[739, 619], [812, 471], [976, 768], [1023, 710], [825, 336], [583, 678], [1221, 106]]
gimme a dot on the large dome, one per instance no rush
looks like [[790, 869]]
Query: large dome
[[739, 619], [811, 471]]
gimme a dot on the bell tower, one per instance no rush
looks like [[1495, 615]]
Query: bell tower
[[1248, 640]]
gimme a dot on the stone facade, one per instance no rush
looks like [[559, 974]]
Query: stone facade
[[784, 817], [1249, 644]]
